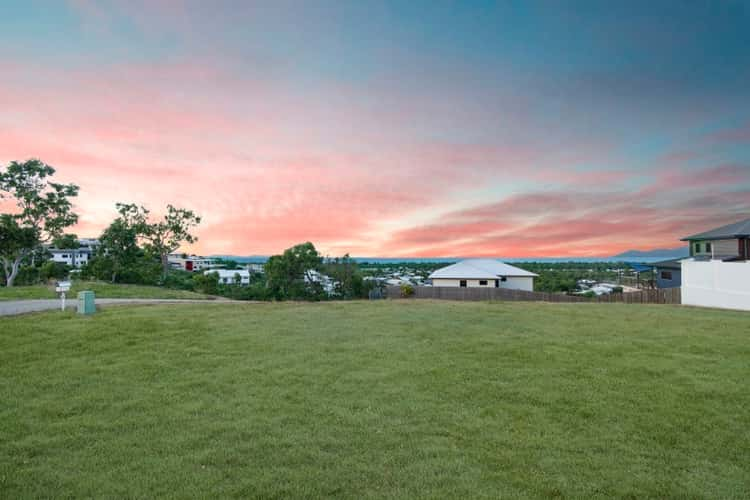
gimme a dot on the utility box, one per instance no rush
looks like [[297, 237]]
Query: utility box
[[86, 303]]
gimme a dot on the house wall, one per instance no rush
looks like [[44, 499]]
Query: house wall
[[512, 283], [72, 258], [716, 284], [726, 247], [675, 282], [718, 247]]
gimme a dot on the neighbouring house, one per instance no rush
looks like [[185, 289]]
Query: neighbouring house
[[717, 273], [668, 273], [229, 276], [484, 273], [75, 257], [255, 267], [327, 283], [192, 263]]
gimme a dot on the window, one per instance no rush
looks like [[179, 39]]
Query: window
[[708, 247], [497, 283], [482, 282], [666, 275], [697, 248], [462, 283]]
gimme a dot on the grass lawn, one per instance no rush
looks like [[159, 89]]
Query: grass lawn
[[101, 289], [382, 399]]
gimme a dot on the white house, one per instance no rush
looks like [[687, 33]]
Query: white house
[[717, 274], [483, 273], [191, 263], [326, 282], [75, 257], [229, 276]]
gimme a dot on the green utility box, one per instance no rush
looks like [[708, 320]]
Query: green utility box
[[86, 303]]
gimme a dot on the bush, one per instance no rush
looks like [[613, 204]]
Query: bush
[[407, 291], [180, 280], [53, 271], [255, 291], [206, 283]]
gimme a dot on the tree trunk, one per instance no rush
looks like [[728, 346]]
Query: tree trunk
[[6, 269], [164, 265], [10, 278]]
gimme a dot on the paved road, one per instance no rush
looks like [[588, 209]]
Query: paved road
[[11, 307]]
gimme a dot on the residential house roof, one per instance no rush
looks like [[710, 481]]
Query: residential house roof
[[739, 229], [479, 269], [668, 264]]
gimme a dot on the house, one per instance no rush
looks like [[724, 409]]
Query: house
[[723, 243], [668, 273], [75, 257], [192, 263], [488, 273], [717, 273], [255, 267], [326, 282], [230, 276]]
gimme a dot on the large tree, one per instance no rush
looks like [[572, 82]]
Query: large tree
[[118, 244], [162, 236], [290, 275], [14, 244], [44, 210]]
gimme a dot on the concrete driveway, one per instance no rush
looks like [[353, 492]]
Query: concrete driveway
[[11, 307]]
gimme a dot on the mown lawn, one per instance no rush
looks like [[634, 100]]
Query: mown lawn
[[383, 399], [101, 289]]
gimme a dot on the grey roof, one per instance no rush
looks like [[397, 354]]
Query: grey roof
[[739, 229], [480, 269], [668, 264]]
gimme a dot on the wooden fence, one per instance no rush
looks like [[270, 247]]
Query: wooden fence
[[659, 296]]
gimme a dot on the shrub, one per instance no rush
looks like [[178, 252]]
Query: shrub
[[206, 283], [407, 291], [53, 270]]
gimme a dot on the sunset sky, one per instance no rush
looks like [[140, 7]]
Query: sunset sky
[[390, 128]]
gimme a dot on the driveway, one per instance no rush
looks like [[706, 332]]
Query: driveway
[[11, 307]]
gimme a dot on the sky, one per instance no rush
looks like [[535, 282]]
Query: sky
[[414, 129]]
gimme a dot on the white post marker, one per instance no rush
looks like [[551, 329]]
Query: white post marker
[[61, 288]]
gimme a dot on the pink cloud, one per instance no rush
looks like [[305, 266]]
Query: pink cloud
[[268, 166]]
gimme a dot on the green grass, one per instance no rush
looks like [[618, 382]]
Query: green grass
[[384, 399], [101, 289]]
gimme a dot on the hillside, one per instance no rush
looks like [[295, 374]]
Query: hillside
[[661, 253]]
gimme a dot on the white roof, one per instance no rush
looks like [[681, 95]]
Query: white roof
[[480, 269]]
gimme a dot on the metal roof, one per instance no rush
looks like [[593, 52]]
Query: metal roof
[[739, 229], [480, 269], [668, 264]]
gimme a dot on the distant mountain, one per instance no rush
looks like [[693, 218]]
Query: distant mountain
[[659, 253]]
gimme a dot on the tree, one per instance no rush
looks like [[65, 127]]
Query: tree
[[118, 244], [66, 241], [164, 236], [290, 274], [44, 211], [345, 273], [15, 242]]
